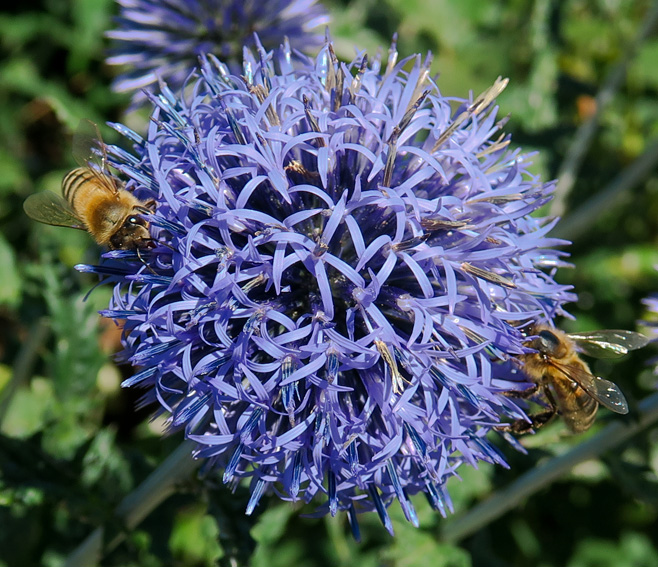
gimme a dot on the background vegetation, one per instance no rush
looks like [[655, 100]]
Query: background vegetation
[[72, 444]]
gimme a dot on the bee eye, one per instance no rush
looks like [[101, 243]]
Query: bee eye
[[132, 220], [548, 341]]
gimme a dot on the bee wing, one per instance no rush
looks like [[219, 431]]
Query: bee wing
[[603, 391], [51, 209], [89, 152], [608, 343]]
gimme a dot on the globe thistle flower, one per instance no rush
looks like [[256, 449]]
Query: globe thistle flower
[[341, 267], [162, 40]]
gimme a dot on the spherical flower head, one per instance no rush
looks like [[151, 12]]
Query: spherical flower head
[[343, 261], [162, 40]]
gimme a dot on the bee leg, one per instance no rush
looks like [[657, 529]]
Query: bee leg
[[521, 426], [543, 417], [537, 420], [518, 427], [522, 394]]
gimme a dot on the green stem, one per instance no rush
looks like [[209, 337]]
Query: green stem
[[585, 134], [158, 486], [25, 360], [581, 220], [538, 478]]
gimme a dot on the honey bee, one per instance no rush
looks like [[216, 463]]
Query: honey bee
[[566, 382], [93, 199]]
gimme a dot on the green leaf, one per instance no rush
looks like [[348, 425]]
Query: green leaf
[[104, 464], [10, 290], [92, 19], [415, 547], [470, 484], [29, 409], [193, 539], [633, 550], [17, 30], [5, 376], [271, 525], [14, 175], [642, 71]]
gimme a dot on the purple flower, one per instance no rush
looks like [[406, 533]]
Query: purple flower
[[343, 265], [163, 40]]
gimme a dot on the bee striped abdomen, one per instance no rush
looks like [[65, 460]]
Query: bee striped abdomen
[[577, 408], [96, 201], [73, 181]]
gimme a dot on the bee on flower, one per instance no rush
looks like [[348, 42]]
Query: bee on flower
[[346, 260]]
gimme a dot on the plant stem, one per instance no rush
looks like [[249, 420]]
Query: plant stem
[[540, 477], [582, 140], [157, 487], [25, 360], [581, 220]]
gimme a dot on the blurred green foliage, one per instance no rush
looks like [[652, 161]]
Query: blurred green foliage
[[72, 443]]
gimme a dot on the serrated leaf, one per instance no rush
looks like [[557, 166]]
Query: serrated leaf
[[104, 462]]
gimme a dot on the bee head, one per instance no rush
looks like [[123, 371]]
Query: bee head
[[547, 343], [133, 233]]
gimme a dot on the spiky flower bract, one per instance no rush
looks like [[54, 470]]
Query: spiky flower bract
[[156, 40], [342, 268]]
